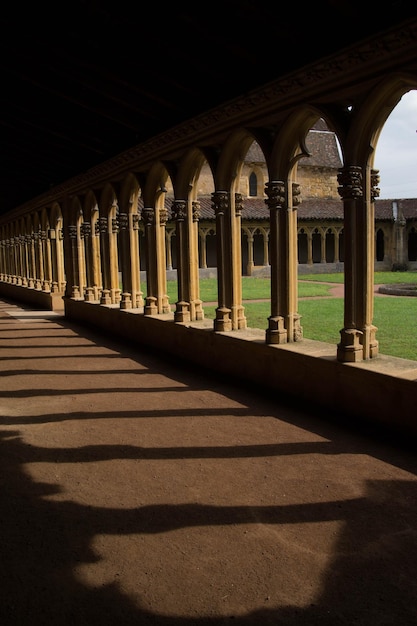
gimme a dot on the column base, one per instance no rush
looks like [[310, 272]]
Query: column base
[[223, 322], [182, 312], [276, 332], [350, 348]]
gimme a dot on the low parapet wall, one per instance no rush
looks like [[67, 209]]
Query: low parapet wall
[[33, 297], [382, 390]]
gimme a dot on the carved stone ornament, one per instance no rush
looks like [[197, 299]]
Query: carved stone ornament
[[135, 221], [275, 191], [238, 204], [196, 210], [85, 229], [220, 202], [148, 216], [296, 195], [115, 224], [123, 221], [163, 216], [179, 210], [102, 225], [350, 181], [375, 190]]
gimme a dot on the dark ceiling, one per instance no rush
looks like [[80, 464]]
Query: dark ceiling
[[84, 81]]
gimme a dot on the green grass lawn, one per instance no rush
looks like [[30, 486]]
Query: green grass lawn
[[322, 319]]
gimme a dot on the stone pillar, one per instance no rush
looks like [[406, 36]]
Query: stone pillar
[[182, 306], [230, 312], [114, 256], [309, 247], [29, 260], [336, 246], [322, 246], [196, 306], [223, 321], [203, 249], [125, 261], [251, 264], [102, 225], [90, 295], [156, 300], [47, 261], [168, 236], [38, 258], [276, 332], [188, 306], [266, 248], [358, 340], [284, 322], [238, 310], [73, 236], [134, 260]]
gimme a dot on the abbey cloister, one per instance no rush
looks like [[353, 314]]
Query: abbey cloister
[[100, 245]]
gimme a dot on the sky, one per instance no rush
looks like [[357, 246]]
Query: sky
[[396, 153]]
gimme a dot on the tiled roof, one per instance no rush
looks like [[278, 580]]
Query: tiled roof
[[323, 150], [314, 209]]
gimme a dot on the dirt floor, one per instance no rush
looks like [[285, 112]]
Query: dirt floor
[[135, 490]]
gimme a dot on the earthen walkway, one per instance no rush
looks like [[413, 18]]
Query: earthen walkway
[[137, 490]]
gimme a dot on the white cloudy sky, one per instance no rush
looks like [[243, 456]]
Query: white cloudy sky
[[396, 154]]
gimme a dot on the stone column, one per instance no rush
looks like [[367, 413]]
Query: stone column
[[358, 340], [156, 300], [276, 332], [336, 246], [102, 225], [196, 306], [186, 215], [266, 248], [114, 257], [250, 264], [29, 261], [182, 306], [230, 312], [13, 264], [203, 249], [73, 236], [134, 260], [322, 246], [238, 310], [86, 237], [309, 247], [125, 256], [47, 261], [38, 259], [284, 322]]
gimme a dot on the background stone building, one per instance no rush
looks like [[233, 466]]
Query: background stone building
[[320, 216]]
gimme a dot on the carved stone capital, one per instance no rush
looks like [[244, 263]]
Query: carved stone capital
[[350, 181], [238, 204], [148, 216], [85, 229], [196, 210], [275, 191], [220, 202], [375, 191], [72, 232], [123, 221], [102, 225], [179, 210], [296, 195], [135, 221], [163, 216]]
